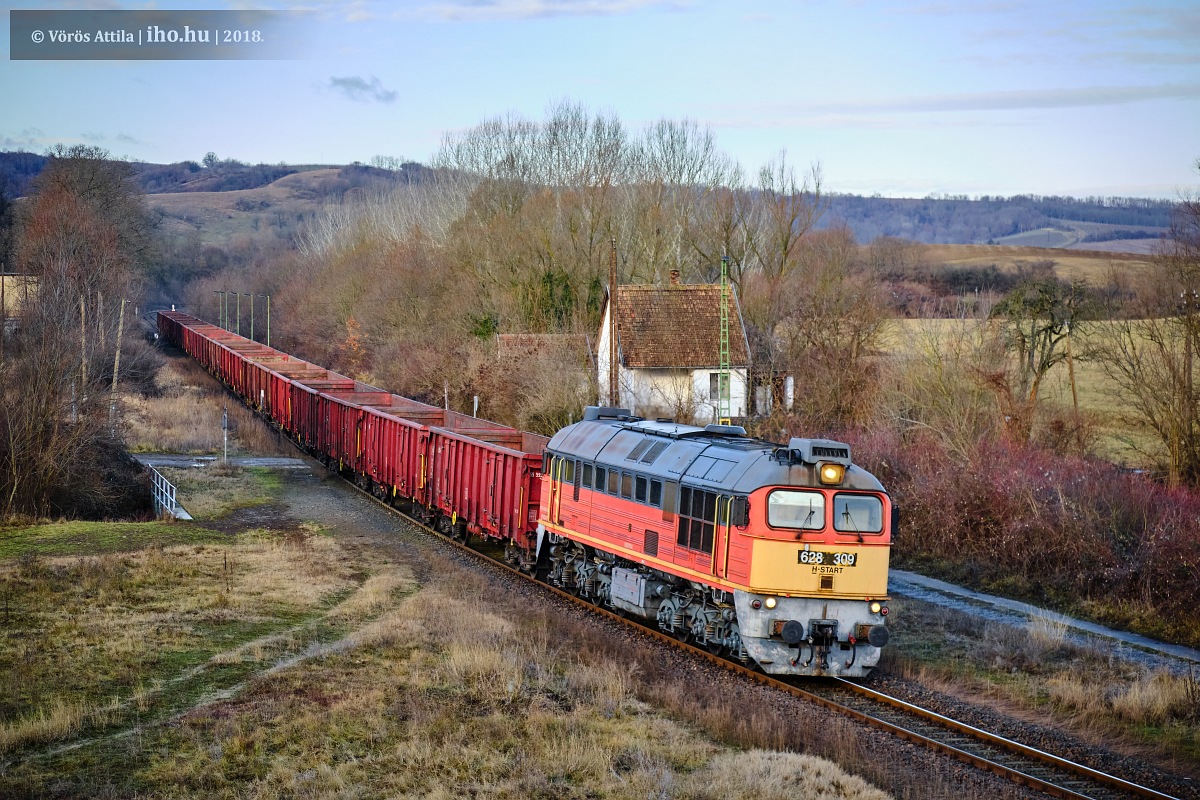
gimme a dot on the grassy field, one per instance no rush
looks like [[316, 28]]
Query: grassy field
[[1093, 266], [185, 417], [1050, 678], [219, 217], [220, 659]]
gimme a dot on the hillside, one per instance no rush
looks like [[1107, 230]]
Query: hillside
[[218, 216], [1113, 224], [1119, 224]]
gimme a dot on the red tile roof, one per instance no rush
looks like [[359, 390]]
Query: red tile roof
[[677, 326]]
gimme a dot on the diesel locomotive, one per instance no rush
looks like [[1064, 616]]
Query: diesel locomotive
[[767, 553]]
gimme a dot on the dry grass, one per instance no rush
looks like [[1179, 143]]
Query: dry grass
[[186, 417], [89, 635], [1093, 266], [1114, 438], [217, 217], [213, 491], [1081, 687], [445, 699], [433, 691]]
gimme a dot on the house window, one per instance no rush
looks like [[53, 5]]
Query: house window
[[714, 380]]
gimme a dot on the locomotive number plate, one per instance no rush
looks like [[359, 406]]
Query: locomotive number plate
[[817, 558]]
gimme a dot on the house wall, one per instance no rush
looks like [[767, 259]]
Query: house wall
[[680, 394], [675, 393]]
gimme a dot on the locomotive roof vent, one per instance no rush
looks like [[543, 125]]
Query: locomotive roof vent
[[725, 430], [810, 451], [593, 413]]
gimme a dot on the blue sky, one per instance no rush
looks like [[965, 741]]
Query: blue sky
[[900, 98]]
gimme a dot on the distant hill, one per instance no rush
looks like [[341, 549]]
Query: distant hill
[[1113, 224], [1122, 224]]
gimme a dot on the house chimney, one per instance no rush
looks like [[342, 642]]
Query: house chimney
[[674, 277]]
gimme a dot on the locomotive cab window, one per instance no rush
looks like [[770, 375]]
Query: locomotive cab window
[[601, 479], [857, 513], [614, 478], [626, 485], [697, 513], [568, 471], [587, 475], [792, 508], [639, 489]]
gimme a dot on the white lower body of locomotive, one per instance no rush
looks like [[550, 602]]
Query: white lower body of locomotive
[[783, 635]]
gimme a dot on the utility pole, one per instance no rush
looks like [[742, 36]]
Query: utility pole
[[3, 316], [112, 408], [82, 344], [251, 296], [268, 319], [239, 313], [614, 392]]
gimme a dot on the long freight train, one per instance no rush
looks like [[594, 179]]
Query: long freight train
[[766, 553]]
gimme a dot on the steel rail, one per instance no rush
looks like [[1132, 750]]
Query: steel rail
[[1002, 742], [1011, 773]]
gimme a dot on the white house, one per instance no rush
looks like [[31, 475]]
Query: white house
[[668, 352]]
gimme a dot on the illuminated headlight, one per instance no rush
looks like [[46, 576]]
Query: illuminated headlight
[[771, 602], [831, 474], [876, 606]]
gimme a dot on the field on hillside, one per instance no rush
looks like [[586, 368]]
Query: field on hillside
[[220, 216], [1093, 266]]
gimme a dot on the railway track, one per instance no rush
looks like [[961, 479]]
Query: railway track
[[1019, 763]]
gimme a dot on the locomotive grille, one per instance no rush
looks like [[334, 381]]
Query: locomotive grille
[[827, 583], [830, 452], [650, 547]]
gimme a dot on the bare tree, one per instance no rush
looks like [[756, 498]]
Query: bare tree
[[1149, 359], [1037, 317], [82, 233]]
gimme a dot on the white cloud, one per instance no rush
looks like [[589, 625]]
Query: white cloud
[[1014, 100]]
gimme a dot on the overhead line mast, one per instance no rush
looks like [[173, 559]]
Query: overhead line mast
[[723, 374], [614, 396]]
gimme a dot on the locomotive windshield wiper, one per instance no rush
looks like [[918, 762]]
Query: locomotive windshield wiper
[[848, 523]]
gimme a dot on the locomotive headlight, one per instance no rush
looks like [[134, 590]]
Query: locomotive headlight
[[876, 606], [831, 474], [771, 602]]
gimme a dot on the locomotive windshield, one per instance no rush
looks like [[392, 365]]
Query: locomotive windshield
[[857, 513], [788, 508]]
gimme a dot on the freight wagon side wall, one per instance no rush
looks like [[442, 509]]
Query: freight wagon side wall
[[486, 474]]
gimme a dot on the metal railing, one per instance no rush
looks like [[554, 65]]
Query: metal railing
[[165, 503]]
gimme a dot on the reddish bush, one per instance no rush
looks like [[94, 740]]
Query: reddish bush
[[1066, 529]]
